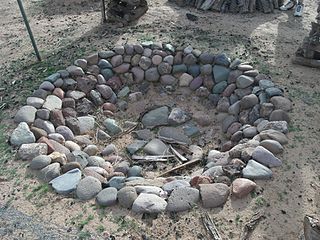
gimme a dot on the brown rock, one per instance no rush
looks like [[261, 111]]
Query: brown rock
[[214, 195], [59, 93], [197, 180], [56, 117], [59, 158], [69, 166], [38, 132]]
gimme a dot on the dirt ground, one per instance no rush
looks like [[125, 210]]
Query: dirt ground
[[65, 32]]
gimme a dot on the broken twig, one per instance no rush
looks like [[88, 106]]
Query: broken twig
[[179, 167], [175, 152], [251, 224], [210, 227]]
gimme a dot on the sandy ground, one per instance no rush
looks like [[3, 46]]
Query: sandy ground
[[268, 41]]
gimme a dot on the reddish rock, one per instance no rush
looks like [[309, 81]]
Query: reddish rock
[[195, 181], [227, 146], [59, 93], [123, 68], [56, 117], [242, 187], [229, 90], [46, 141], [115, 83], [89, 172], [86, 84], [109, 106], [69, 112]]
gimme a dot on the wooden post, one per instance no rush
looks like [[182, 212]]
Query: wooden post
[[29, 30]]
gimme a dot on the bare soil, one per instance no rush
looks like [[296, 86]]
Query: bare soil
[[65, 32]]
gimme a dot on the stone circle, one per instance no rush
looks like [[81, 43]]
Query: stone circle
[[72, 131]]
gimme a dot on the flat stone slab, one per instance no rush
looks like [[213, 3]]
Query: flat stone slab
[[255, 170], [156, 117], [174, 134], [67, 182]]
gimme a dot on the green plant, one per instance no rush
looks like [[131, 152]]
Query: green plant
[[100, 229], [39, 191], [85, 221], [125, 224], [84, 235], [260, 202]]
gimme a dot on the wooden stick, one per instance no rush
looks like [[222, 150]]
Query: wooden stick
[[124, 132], [137, 157], [210, 227], [182, 158], [179, 167], [251, 224]]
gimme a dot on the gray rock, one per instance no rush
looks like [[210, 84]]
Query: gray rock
[[206, 58], [53, 77], [220, 73], [40, 162], [124, 92], [244, 81], [45, 125], [178, 116], [151, 190], [272, 145], [255, 170], [264, 156], [57, 137], [67, 182], [117, 182], [109, 149], [81, 158], [25, 114], [112, 126], [264, 84], [35, 102], [50, 172], [86, 124], [175, 184], [181, 68], [217, 158], [144, 134], [156, 147], [107, 73], [220, 87], [52, 102], [22, 135], [126, 196], [91, 150], [273, 91], [156, 117], [274, 135], [136, 146], [135, 171], [227, 122], [281, 126], [212, 172], [102, 135], [122, 167], [182, 199], [149, 203], [281, 103], [29, 151], [249, 101], [214, 195], [250, 132], [106, 54], [174, 134], [194, 70], [88, 188], [43, 114], [95, 161], [152, 74], [65, 132], [107, 197], [222, 59]]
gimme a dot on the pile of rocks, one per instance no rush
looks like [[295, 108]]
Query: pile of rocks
[[233, 6], [66, 143]]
